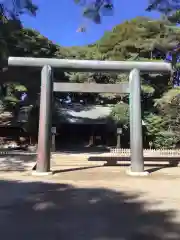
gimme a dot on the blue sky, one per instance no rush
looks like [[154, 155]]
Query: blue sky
[[59, 20]]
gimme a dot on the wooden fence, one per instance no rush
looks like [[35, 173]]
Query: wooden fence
[[148, 152]]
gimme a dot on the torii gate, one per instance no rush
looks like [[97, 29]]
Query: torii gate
[[48, 86]]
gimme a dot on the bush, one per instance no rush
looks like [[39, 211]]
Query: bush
[[120, 114], [158, 133], [166, 139], [154, 124]]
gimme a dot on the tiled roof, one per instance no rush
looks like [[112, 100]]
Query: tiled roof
[[83, 114]]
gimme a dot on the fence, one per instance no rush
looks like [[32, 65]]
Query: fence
[[148, 152]]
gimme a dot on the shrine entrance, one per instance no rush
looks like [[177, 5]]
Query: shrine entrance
[[48, 86]]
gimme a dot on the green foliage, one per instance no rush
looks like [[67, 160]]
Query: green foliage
[[137, 39], [13, 9], [175, 17], [134, 40], [11, 96], [95, 9], [31, 43], [169, 107], [120, 114], [17, 41], [166, 140], [147, 89], [11, 100], [78, 77], [169, 8], [154, 124], [168, 97], [157, 136], [159, 133], [19, 88]]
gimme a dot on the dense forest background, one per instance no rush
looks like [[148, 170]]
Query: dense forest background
[[139, 39]]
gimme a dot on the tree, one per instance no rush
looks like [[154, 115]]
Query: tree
[[92, 9], [95, 9], [141, 39], [10, 23], [170, 8], [14, 8], [169, 106]]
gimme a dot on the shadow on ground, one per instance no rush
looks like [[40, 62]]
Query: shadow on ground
[[26, 161], [16, 162], [60, 211], [72, 169], [151, 164], [82, 149]]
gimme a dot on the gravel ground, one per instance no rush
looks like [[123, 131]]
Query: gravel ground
[[90, 203]]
